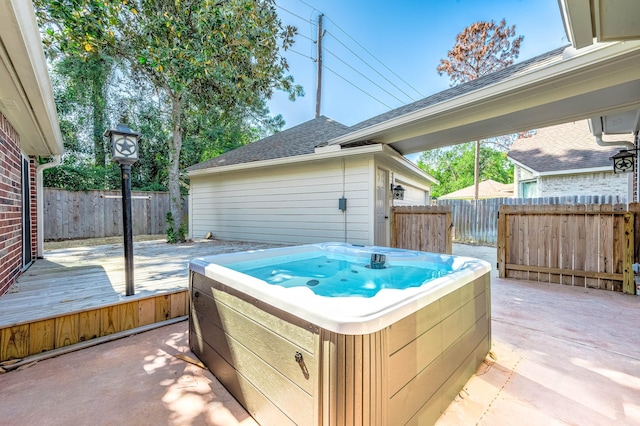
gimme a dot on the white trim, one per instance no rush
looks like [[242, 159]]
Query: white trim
[[536, 173], [287, 160], [26, 83], [517, 163], [577, 171], [316, 156], [582, 72]]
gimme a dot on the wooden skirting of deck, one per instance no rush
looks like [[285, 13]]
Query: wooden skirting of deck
[[31, 338], [76, 295]]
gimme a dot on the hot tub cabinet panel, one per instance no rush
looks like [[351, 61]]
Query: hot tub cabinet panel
[[251, 348], [407, 373]]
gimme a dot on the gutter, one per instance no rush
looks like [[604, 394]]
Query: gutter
[[323, 154], [39, 205]]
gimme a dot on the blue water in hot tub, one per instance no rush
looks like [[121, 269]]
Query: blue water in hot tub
[[340, 276]]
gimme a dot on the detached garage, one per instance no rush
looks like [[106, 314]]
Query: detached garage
[[292, 188]]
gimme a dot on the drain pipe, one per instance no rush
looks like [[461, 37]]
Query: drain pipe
[[39, 202]]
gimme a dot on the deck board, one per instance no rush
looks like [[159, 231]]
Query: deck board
[[83, 278]]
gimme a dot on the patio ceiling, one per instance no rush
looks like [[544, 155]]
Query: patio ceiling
[[597, 81], [26, 98]]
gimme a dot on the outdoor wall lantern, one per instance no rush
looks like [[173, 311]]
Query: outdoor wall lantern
[[398, 192], [624, 162], [124, 151]]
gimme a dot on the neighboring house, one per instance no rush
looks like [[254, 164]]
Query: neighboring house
[[565, 160], [488, 188], [28, 130], [286, 188]]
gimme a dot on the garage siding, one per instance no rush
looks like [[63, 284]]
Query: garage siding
[[288, 204]]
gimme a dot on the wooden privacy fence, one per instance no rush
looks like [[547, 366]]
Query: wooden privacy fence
[[581, 245], [95, 214], [476, 221], [423, 228]]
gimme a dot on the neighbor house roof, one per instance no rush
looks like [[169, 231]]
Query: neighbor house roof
[[569, 146], [488, 188], [299, 140]]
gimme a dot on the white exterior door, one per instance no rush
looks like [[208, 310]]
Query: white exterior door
[[381, 227]]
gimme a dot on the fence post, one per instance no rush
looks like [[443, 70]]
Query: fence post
[[502, 239], [628, 284], [447, 235]]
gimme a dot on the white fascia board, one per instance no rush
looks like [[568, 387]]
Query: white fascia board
[[546, 78], [368, 149], [536, 173], [576, 17], [577, 171], [517, 163], [410, 166], [35, 117]]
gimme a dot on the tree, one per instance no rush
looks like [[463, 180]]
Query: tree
[[85, 83], [480, 49], [222, 56], [454, 167]]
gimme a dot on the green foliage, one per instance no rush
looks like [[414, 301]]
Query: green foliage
[[454, 167], [223, 57], [176, 236], [77, 175]]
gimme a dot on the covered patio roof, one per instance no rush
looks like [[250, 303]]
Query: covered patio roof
[[598, 81]]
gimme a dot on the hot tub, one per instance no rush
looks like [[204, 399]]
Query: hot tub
[[294, 348]]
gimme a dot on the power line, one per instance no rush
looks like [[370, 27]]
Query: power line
[[343, 61], [340, 76], [368, 94], [367, 64], [307, 37], [302, 54], [374, 57], [364, 76], [296, 15]]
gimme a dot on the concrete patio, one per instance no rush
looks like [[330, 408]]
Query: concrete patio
[[561, 355]]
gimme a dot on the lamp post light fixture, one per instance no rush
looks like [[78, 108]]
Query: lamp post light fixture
[[124, 151], [398, 192], [624, 161]]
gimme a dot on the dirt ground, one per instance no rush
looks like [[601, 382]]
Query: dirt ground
[[88, 242]]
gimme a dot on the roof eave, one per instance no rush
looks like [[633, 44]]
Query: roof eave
[[287, 160], [567, 75], [589, 22], [26, 96]]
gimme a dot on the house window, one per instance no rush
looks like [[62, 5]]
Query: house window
[[529, 189]]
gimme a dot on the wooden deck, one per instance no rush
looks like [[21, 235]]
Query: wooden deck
[[78, 294]]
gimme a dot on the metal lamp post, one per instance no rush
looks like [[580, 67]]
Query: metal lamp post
[[124, 151]]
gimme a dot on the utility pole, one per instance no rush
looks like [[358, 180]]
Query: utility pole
[[319, 83]]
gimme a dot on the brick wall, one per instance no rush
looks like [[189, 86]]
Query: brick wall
[[600, 183], [10, 205]]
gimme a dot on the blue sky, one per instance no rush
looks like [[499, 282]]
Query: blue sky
[[401, 43]]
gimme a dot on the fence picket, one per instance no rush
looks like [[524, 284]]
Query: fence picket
[[476, 221], [582, 245], [95, 214]]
